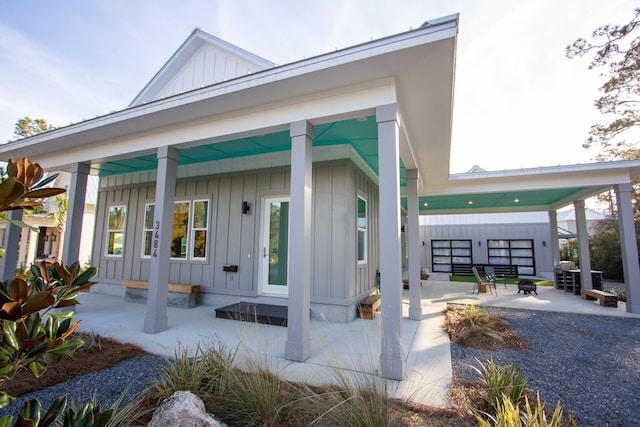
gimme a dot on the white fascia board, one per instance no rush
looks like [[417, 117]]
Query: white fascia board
[[629, 165], [595, 174], [226, 127]]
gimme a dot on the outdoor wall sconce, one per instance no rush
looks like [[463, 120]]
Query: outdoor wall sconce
[[53, 238], [479, 243], [246, 207], [46, 238], [544, 243]]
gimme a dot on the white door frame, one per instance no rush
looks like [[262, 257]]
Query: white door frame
[[264, 286]]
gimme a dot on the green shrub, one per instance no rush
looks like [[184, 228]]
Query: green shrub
[[499, 382], [205, 373], [508, 414], [357, 399]]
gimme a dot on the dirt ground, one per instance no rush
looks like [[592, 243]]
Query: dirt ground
[[97, 353]]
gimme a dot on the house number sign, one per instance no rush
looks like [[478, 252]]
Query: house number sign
[[156, 237]]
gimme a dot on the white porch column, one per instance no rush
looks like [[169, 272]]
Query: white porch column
[[9, 262], [298, 345], [392, 356], [553, 235], [584, 257], [75, 212], [157, 296], [413, 230], [629, 246]]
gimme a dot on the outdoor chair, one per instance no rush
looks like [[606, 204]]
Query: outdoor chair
[[480, 283], [491, 275]]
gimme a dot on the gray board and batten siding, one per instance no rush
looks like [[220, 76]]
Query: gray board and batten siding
[[538, 232], [234, 238]]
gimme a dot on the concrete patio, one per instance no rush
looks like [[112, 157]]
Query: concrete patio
[[353, 348]]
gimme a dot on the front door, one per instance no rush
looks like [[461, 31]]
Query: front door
[[275, 246]]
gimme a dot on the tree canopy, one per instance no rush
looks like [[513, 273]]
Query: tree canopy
[[28, 127], [616, 50]]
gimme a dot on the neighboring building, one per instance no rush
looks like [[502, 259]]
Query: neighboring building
[[518, 238], [47, 241], [285, 184], [568, 227]]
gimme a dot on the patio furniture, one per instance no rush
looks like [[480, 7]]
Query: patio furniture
[[491, 274], [605, 299], [368, 307], [527, 286], [568, 279], [482, 285], [180, 295]]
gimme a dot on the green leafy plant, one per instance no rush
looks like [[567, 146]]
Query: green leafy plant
[[509, 414], [205, 373], [500, 381], [22, 186], [30, 330], [480, 321]]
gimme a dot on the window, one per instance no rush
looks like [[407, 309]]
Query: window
[[186, 227], [445, 253], [179, 230], [115, 230], [147, 229], [199, 230], [513, 252], [362, 230]]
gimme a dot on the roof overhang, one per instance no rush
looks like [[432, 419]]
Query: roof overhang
[[414, 69]]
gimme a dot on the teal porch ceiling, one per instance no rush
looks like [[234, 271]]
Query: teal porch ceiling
[[361, 134], [515, 200]]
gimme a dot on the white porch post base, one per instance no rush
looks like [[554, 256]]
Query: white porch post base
[[158, 293], [392, 354], [298, 345]]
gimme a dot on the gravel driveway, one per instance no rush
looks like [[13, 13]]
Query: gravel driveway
[[590, 363]]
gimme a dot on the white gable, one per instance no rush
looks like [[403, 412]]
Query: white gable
[[202, 60]]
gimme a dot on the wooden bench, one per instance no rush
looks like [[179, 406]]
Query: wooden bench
[[605, 299], [368, 306], [180, 295]]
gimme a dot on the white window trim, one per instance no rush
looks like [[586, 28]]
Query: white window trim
[[108, 231], [365, 260], [190, 230], [193, 229], [144, 230]]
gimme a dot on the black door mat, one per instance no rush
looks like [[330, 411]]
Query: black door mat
[[256, 313]]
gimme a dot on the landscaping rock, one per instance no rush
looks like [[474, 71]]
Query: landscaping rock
[[183, 409]]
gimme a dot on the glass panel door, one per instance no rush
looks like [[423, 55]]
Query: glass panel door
[[275, 246]]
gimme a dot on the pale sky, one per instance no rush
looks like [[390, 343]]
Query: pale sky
[[518, 101]]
